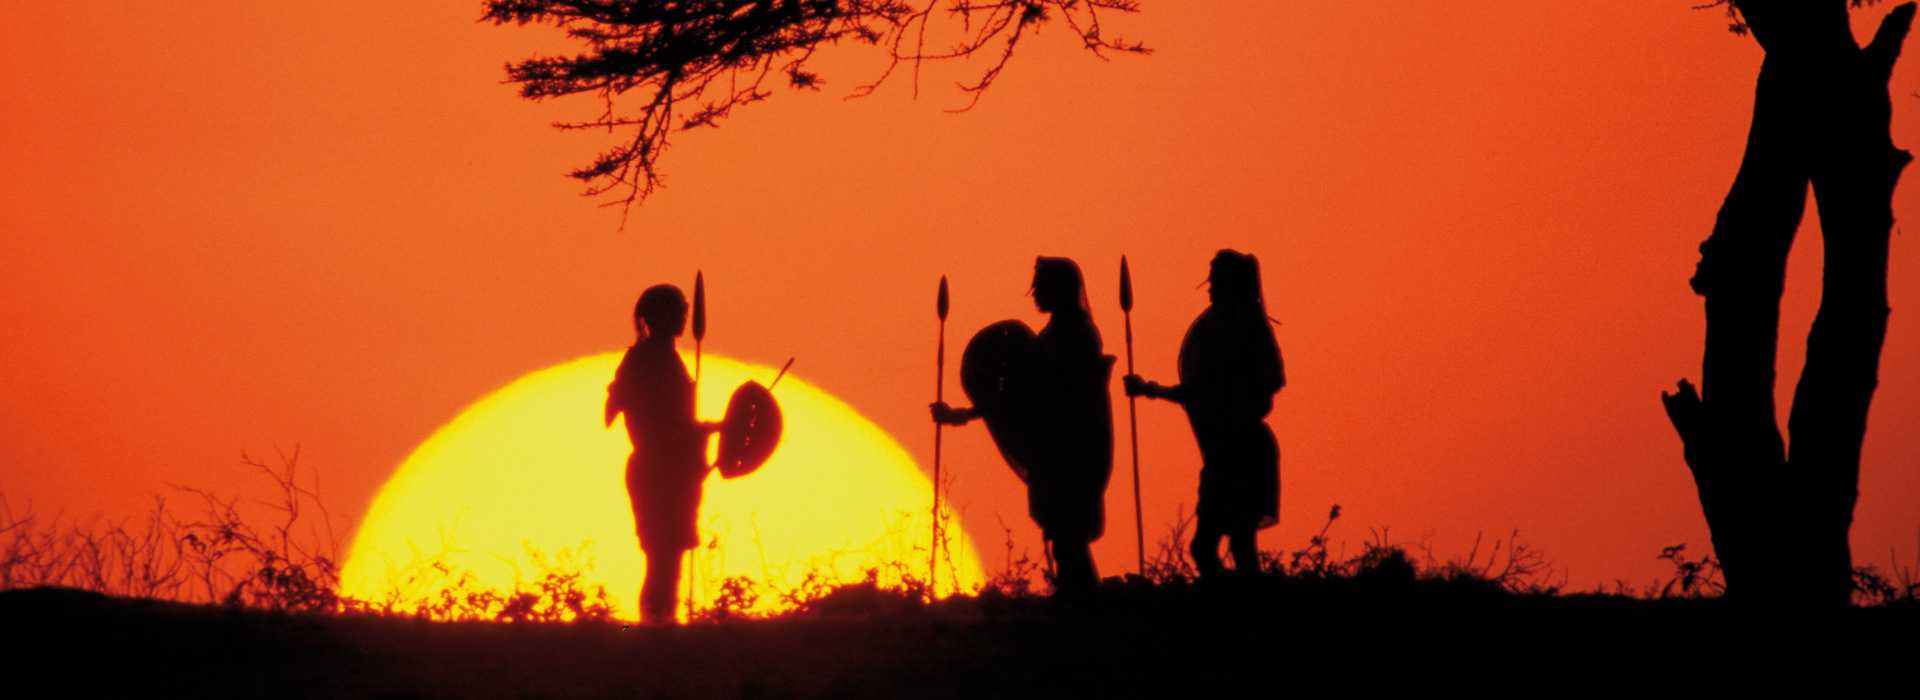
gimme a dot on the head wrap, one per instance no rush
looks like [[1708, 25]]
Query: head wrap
[[661, 303], [1059, 278]]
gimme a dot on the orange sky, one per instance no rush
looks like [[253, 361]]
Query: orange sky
[[235, 225]]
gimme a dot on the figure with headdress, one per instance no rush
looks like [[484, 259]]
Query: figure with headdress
[[1230, 368], [1045, 401], [668, 466]]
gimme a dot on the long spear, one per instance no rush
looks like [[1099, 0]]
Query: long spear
[[939, 395], [699, 334], [1133, 419]]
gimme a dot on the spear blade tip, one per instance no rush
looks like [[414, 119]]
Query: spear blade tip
[[940, 304], [699, 305]]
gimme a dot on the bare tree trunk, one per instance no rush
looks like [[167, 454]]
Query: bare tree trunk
[[1821, 115]]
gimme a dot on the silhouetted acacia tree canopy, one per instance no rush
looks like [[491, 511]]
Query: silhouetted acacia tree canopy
[[661, 66]]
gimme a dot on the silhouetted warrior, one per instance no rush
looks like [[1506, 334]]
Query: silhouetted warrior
[[1045, 401], [669, 461], [1230, 369]]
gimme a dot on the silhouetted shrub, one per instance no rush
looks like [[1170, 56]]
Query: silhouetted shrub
[[1692, 578], [219, 557], [735, 601], [865, 599]]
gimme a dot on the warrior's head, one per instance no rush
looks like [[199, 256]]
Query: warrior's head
[[1234, 281], [661, 312], [1057, 286]]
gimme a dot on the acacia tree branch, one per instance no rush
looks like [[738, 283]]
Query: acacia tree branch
[[690, 63]]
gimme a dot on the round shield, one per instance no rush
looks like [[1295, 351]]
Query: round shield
[[749, 432], [994, 372]]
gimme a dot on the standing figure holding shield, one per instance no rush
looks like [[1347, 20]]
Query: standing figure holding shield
[[668, 468], [669, 461], [1045, 401]]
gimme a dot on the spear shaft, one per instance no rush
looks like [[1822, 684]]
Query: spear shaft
[[939, 396], [699, 335], [1133, 419]]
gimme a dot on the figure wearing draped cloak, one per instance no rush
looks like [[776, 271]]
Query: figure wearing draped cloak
[[1046, 403]]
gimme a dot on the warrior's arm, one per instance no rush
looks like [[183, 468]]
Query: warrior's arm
[[948, 415], [613, 407], [617, 388], [1138, 386]]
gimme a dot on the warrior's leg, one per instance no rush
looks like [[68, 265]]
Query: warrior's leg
[[1076, 570], [662, 587], [1244, 545], [1206, 549]]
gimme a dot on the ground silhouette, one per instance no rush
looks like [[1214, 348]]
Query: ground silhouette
[[1381, 628]]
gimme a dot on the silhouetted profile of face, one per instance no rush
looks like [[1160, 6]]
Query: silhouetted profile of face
[[1057, 286], [1234, 280], [662, 311]]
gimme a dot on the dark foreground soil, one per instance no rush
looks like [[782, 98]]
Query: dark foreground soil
[[1135, 641]]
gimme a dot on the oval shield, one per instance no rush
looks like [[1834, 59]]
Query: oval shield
[[749, 432], [995, 373]]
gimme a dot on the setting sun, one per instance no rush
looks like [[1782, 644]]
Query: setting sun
[[1251, 336], [526, 478]]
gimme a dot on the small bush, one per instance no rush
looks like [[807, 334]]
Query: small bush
[[738, 595], [1692, 578]]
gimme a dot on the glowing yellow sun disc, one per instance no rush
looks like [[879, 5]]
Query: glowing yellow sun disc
[[526, 478]]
